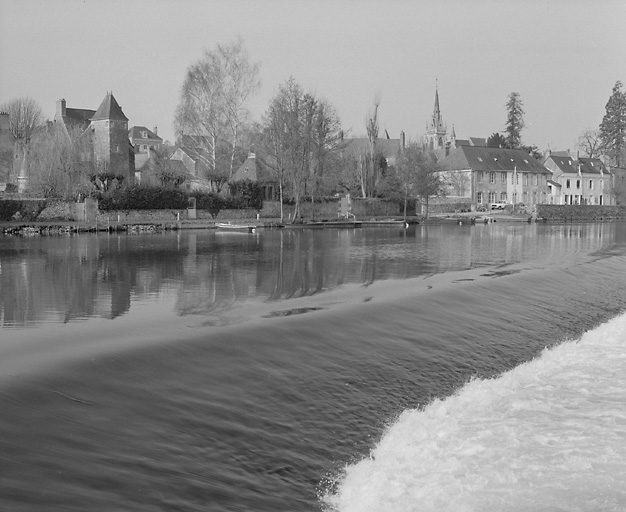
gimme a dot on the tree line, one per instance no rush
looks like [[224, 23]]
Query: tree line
[[299, 140]]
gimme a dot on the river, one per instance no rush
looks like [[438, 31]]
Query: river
[[434, 368]]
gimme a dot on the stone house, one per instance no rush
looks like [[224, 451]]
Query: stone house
[[144, 139], [389, 148], [103, 136], [577, 180], [255, 170], [196, 162], [482, 175]]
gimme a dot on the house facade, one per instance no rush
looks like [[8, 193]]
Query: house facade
[[102, 136], [252, 169], [482, 175], [578, 180], [143, 139]]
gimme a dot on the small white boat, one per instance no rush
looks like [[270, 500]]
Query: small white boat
[[241, 228]]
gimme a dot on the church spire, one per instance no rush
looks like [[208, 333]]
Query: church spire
[[437, 130]]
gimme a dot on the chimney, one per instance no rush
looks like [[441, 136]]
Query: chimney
[[156, 132], [61, 110], [402, 141]]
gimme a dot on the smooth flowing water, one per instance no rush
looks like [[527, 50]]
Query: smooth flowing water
[[432, 368]]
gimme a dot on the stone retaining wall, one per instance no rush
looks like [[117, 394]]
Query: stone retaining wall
[[568, 213]]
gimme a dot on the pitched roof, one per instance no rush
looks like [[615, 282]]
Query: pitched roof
[[478, 141], [252, 169], [480, 158], [109, 109], [361, 145], [136, 132], [567, 164], [193, 141], [199, 156]]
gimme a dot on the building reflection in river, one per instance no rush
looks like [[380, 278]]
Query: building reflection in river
[[63, 279]]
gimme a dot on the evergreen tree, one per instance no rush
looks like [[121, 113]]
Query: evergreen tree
[[496, 140], [613, 128], [514, 121]]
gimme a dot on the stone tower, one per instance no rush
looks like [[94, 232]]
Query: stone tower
[[436, 129], [110, 142]]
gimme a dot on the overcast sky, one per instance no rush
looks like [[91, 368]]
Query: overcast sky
[[563, 57]]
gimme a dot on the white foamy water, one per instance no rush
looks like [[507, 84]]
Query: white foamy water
[[549, 435]]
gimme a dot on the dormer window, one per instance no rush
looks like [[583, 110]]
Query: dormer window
[[480, 159], [144, 134]]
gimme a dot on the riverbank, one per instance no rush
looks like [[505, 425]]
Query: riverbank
[[148, 225]]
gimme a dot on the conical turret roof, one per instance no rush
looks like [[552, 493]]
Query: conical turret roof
[[109, 109]]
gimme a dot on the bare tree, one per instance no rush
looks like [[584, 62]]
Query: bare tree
[[212, 99], [25, 118], [300, 134], [419, 174], [589, 143], [60, 162], [239, 83], [368, 168]]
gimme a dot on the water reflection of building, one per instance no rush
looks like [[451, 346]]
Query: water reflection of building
[[61, 279]]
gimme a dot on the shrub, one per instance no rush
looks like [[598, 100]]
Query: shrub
[[28, 210], [246, 194], [143, 198], [209, 201], [8, 208]]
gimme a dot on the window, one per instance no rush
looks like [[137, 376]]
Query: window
[[503, 196], [144, 134], [492, 197], [492, 177], [536, 179], [590, 184], [480, 176], [145, 147], [479, 197], [577, 183], [566, 184], [517, 179], [526, 179], [512, 178], [503, 177]]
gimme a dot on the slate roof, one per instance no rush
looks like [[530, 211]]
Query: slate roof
[[199, 156], [568, 165], [192, 141], [136, 133], [361, 145], [478, 141], [480, 158], [252, 169], [109, 109]]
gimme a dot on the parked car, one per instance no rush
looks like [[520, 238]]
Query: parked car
[[498, 205]]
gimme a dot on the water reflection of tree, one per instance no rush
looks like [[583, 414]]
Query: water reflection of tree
[[62, 279]]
